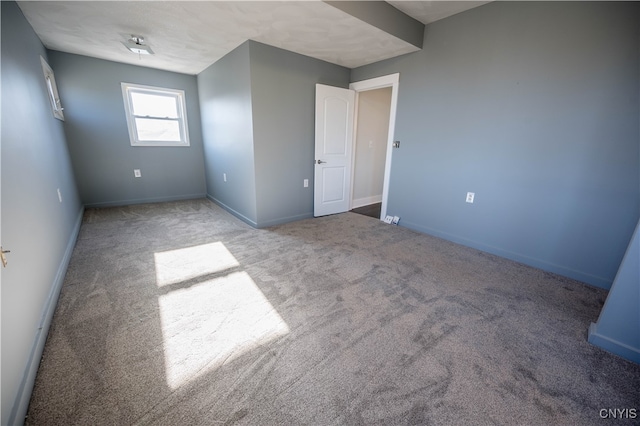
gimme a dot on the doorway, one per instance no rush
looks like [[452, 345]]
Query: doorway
[[376, 101], [369, 150], [335, 126]]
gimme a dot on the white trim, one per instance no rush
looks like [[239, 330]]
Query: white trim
[[391, 80], [356, 113], [52, 90], [178, 95]]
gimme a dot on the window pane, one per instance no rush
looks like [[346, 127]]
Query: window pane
[[146, 104], [155, 116], [158, 130], [52, 95]]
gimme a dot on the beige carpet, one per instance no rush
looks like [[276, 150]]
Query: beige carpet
[[179, 314]]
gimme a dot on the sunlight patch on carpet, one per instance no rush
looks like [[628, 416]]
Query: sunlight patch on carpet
[[214, 322], [175, 266]]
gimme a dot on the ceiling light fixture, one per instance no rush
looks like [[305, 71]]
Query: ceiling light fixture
[[136, 45]]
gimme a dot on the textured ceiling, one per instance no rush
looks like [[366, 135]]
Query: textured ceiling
[[187, 36], [431, 11]]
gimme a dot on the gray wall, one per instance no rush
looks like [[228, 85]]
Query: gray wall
[[283, 105], [225, 103], [534, 107], [96, 129], [258, 115], [618, 326], [39, 230]]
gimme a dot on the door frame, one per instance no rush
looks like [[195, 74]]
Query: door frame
[[391, 80]]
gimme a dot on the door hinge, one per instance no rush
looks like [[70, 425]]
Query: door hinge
[[3, 257]]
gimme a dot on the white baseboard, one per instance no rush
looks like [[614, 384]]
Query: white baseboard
[[359, 202]]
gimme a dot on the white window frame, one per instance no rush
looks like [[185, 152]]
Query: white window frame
[[52, 90], [178, 95]]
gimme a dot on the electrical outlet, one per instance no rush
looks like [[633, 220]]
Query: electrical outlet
[[395, 220], [224, 177], [136, 173], [470, 197], [388, 219], [305, 183]]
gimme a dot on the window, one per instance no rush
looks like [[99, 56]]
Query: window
[[155, 116], [52, 90]]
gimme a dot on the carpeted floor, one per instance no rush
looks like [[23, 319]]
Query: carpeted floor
[[180, 314]]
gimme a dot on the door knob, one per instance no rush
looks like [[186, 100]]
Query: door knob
[[3, 258], [320, 162]]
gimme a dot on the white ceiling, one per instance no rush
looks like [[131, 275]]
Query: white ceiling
[[188, 36], [431, 11]]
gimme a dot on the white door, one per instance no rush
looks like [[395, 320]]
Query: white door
[[334, 142]]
